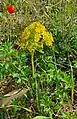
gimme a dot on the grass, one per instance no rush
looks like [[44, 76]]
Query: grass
[[49, 73]]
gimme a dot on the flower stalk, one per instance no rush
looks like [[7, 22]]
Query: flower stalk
[[33, 38], [36, 83], [32, 61]]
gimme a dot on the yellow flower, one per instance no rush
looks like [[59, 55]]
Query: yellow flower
[[35, 36], [38, 29], [42, 28], [28, 33], [47, 38], [22, 45], [32, 25]]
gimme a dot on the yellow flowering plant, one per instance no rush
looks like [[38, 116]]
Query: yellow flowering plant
[[34, 37]]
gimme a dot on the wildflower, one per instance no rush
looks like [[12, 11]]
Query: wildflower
[[38, 29], [47, 38], [35, 36]]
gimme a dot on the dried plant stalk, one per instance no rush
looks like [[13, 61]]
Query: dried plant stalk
[[11, 95]]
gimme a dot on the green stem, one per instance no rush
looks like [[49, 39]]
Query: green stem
[[72, 81], [32, 61], [37, 99], [72, 95], [36, 83], [72, 90]]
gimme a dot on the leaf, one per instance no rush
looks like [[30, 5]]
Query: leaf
[[19, 80], [6, 66], [40, 51], [41, 117], [15, 75]]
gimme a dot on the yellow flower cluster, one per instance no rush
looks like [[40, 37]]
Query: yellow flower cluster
[[35, 36]]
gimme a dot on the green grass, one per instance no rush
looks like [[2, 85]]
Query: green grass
[[50, 74]]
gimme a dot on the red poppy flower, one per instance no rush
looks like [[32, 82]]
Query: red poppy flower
[[11, 9]]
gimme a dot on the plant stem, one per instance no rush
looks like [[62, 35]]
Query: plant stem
[[37, 99], [36, 83], [8, 106], [72, 81], [72, 95], [32, 61]]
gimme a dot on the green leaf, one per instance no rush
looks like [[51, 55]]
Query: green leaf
[[40, 50], [0, 14], [6, 66], [15, 75], [19, 80]]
